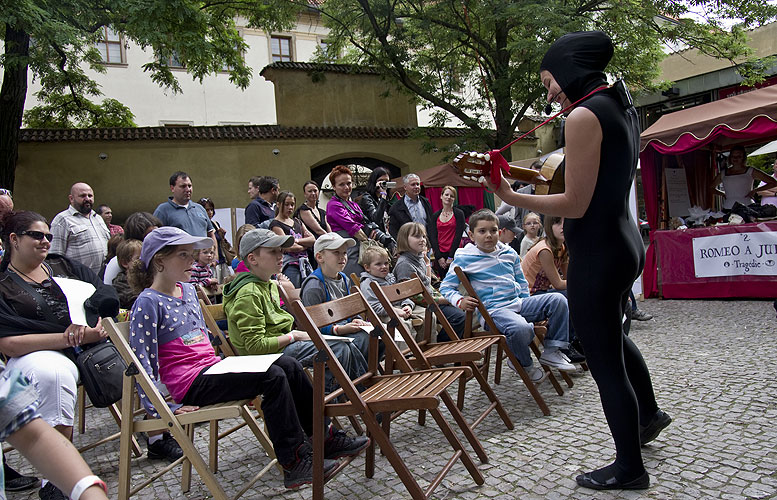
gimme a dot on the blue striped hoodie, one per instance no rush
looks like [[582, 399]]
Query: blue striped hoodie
[[496, 277]]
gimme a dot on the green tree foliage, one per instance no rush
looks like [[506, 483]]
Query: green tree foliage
[[477, 60], [55, 40]]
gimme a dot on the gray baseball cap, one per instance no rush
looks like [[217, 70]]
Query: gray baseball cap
[[507, 222], [332, 241], [161, 237], [263, 238]]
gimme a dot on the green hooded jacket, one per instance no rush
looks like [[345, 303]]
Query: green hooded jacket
[[254, 315]]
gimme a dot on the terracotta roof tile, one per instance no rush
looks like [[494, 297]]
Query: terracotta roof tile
[[231, 132], [328, 67]]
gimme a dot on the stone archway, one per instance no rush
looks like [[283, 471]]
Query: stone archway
[[320, 172]]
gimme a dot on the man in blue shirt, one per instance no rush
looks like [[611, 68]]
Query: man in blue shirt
[[180, 211]]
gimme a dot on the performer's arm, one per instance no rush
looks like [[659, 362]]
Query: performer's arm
[[583, 135]]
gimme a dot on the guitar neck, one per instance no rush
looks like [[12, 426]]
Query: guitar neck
[[527, 175]]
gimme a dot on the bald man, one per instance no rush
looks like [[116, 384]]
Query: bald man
[[6, 204], [79, 233]]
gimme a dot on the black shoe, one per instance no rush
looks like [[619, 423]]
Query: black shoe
[[587, 481], [51, 492], [578, 346], [640, 315], [300, 471], [21, 483], [166, 448], [573, 355], [339, 444], [659, 422]]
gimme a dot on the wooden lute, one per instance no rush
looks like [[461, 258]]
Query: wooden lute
[[548, 180]]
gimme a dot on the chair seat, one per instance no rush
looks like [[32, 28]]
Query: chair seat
[[458, 351], [403, 391]]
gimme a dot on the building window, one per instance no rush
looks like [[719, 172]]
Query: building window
[[325, 48], [280, 48], [174, 62], [111, 46]]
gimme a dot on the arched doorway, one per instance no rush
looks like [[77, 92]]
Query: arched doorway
[[320, 172]]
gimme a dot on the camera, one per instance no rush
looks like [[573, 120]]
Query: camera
[[383, 238], [388, 185]]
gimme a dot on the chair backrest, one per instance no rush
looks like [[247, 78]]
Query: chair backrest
[[119, 333], [355, 280], [472, 293], [211, 314], [289, 296], [202, 294]]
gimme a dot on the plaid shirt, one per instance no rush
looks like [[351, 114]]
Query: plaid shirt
[[83, 238]]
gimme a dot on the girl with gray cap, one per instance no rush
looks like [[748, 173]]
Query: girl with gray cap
[[168, 333]]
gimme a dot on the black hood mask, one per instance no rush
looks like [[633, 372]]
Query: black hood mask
[[577, 61]]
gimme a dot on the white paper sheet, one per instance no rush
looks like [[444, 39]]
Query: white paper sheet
[[243, 364], [76, 292], [336, 338]]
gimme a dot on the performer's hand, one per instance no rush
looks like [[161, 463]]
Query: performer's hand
[[504, 186]]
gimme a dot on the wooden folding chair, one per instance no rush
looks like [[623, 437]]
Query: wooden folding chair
[[202, 294], [385, 394], [502, 352], [180, 426], [463, 351]]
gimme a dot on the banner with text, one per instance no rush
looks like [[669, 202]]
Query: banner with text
[[738, 254]]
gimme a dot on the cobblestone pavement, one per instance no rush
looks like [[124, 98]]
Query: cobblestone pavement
[[712, 364]]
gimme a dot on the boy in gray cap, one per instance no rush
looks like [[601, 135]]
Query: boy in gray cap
[[258, 324]]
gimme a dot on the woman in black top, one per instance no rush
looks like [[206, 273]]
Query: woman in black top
[[296, 266], [373, 202], [313, 217], [36, 332], [605, 248]]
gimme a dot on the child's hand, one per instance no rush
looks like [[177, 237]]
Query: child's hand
[[359, 323], [300, 335], [468, 303], [402, 312]]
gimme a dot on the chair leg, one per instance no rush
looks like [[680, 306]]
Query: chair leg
[[498, 366], [81, 409], [462, 390], [186, 473], [213, 449], [483, 381], [533, 346], [456, 444], [117, 414], [464, 425], [126, 425], [525, 377]]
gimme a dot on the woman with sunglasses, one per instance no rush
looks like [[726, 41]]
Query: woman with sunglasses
[[36, 332]]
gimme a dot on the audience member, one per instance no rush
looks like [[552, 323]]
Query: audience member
[[295, 257], [106, 213], [202, 272], [345, 216], [79, 233], [136, 227], [223, 247], [509, 231], [180, 211], [373, 201], [545, 264], [177, 353], [328, 282], [6, 201], [532, 225], [263, 192], [310, 213], [237, 263], [411, 208], [375, 261], [414, 261], [127, 253], [32, 306], [494, 269], [445, 230], [258, 324], [48, 450]]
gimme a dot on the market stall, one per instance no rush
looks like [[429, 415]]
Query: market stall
[[678, 163], [435, 178]]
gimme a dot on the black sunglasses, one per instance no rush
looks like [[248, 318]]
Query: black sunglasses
[[37, 235]]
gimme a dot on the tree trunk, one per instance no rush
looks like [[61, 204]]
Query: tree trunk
[[503, 99], [12, 97]]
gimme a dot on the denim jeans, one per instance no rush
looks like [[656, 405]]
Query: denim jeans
[[518, 328], [572, 334], [353, 362]]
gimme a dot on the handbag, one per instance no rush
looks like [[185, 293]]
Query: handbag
[[102, 373]]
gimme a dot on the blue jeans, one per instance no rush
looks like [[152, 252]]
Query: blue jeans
[[572, 334], [518, 328], [353, 363]]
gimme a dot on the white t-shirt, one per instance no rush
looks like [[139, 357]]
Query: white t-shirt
[[112, 269]]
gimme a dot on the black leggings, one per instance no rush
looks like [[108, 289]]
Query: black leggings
[[596, 307], [287, 400]]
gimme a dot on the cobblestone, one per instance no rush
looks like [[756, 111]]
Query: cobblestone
[[710, 362]]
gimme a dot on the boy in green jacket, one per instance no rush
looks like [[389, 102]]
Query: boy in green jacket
[[256, 322]]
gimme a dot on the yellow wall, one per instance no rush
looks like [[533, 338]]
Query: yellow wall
[[338, 100], [688, 63], [135, 175]]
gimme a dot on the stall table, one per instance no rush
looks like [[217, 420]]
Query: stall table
[[682, 273]]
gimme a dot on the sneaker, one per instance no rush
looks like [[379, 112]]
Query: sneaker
[[659, 422], [536, 374], [165, 448], [640, 315], [300, 472], [51, 492], [554, 358], [339, 444], [17, 482], [572, 355]]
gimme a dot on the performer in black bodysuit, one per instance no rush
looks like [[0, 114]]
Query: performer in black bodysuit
[[605, 248]]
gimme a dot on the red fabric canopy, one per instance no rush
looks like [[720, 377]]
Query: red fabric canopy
[[743, 119]]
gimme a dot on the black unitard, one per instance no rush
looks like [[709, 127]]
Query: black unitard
[[606, 256]]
